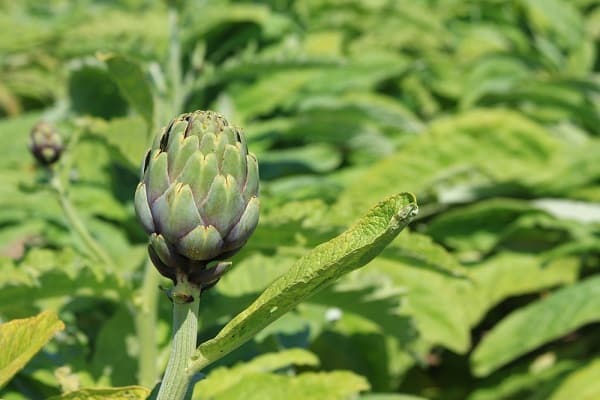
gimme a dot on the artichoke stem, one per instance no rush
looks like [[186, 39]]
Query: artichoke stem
[[186, 301], [79, 227]]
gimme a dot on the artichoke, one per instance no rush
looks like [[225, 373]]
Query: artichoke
[[45, 143], [198, 196]]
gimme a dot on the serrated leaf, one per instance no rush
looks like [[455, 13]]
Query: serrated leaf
[[45, 274], [130, 78], [475, 229], [436, 301], [540, 322], [480, 153], [120, 393], [320, 267], [21, 339]]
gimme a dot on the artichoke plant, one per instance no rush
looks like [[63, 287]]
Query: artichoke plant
[[198, 196], [45, 143]]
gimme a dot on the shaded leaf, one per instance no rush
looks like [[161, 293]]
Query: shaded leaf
[[130, 78], [531, 326]]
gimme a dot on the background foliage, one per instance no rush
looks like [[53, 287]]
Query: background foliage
[[488, 110]]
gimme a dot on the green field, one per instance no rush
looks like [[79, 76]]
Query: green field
[[488, 111]]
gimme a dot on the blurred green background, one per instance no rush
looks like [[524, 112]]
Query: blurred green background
[[487, 110]]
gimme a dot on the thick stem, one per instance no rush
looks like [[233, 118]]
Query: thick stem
[[79, 227], [146, 322], [186, 300]]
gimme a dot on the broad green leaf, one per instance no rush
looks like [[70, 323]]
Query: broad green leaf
[[512, 274], [120, 393], [292, 222], [21, 339], [389, 396], [435, 300], [127, 137], [558, 19], [421, 248], [50, 275], [275, 90], [14, 133], [475, 229], [379, 109], [335, 385], [357, 343], [320, 267], [532, 326], [130, 78], [143, 33], [99, 202], [114, 355], [536, 378], [210, 18], [553, 102], [492, 75], [92, 91], [315, 158], [223, 378], [583, 384], [480, 153]]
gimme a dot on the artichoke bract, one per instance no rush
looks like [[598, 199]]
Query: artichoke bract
[[197, 196], [45, 143]]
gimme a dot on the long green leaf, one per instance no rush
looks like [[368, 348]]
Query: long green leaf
[[320, 267], [538, 323]]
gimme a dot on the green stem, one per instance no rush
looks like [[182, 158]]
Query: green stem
[[174, 62], [78, 226], [186, 301], [146, 322]]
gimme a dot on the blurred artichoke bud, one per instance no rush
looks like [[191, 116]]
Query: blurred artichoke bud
[[198, 196], [45, 143]]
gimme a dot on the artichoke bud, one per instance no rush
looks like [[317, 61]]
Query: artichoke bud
[[45, 143], [198, 196]]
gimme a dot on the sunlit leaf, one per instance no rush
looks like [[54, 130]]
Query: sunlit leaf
[[21, 339]]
